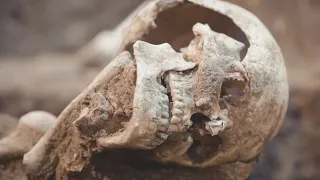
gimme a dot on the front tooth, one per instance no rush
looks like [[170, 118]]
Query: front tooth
[[175, 120], [178, 104], [177, 111]]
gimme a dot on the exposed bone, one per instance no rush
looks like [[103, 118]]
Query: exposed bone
[[151, 104], [36, 160], [183, 103], [30, 129]]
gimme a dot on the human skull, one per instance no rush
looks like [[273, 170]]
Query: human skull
[[191, 95], [232, 104]]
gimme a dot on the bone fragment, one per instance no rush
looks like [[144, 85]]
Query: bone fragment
[[30, 129]]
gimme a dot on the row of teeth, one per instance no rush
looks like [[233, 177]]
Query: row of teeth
[[164, 104], [181, 93]]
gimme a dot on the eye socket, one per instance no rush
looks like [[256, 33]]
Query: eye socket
[[233, 91]]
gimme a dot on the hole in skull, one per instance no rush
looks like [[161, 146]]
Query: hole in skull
[[204, 145], [198, 121], [233, 88], [174, 26]]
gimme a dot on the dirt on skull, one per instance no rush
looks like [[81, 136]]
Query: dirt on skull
[[185, 98]]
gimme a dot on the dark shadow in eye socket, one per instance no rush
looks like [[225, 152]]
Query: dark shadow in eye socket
[[233, 87], [233, 92]]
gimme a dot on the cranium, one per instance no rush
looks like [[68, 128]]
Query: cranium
[[205, 99]]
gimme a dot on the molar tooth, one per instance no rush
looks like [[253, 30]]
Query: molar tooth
[[175, 120], [178, 104], [177, 111]]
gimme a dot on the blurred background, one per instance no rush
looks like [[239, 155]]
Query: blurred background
[[45, 63]]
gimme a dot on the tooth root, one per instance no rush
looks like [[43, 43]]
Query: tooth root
[[176, 120], [177, 111]]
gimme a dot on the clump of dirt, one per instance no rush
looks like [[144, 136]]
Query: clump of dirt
[[123, 87], [69, 150]]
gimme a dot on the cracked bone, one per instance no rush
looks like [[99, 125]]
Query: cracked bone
[[32, 126]]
